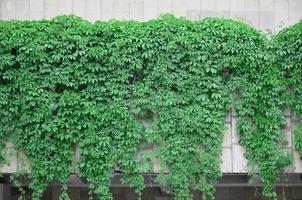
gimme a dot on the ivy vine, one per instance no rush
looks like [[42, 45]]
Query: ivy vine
[[66, 82], [288, 47]]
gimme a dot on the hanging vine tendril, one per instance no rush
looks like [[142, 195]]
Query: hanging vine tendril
[[67, 82]]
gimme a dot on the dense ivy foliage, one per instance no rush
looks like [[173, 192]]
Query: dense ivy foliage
[[110, 86], [288, 45]]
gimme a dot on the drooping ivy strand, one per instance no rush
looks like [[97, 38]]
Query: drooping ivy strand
[[288, 48], [67, 82]]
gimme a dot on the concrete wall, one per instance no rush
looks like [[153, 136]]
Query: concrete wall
[[261, 14]]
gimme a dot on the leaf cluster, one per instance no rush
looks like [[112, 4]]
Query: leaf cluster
[[108, 87]]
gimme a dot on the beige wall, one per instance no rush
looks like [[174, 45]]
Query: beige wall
[[262, 14]]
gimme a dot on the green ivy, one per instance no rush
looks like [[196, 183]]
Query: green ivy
[[108, 87], [288, 47]]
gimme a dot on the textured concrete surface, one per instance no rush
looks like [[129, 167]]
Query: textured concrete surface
[[262, 14]]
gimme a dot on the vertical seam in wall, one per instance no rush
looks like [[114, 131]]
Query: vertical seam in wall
[[200, 8], [288, 19], [229, 8], [172, 7], [1, 9], [143, 15], [288, 13], [85, 11], [114, 13], [244, 10], [29, 9], [15, 8], [275, 13], [215, 7], [157, 8], [128, 11], [258, 12], [100, 14], [57, 7], [274, 28], [72, 9], [72, 6], [44, 9]]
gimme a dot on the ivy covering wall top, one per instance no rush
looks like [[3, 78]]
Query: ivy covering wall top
[[111, 86]]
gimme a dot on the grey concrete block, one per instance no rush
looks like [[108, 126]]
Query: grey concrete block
[[226, 157], [136, 9], [237, 9], [150, 9], [64, 7], [93, 10], [227, 118], [179, 8], [194, 14], [51, 9], [235, 135], [22, 9], [78, 8], [193, 9], [252, 12], [288, 137], [8, 9], [297, 162], [295, 11], [238, 159], [227, 136], [36, 9], [164, 7], [121, 9], [107, 10]]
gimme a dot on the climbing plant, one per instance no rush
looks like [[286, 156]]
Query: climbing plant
[[107, 87], [259, 108], [288, 47], [62, 99]]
